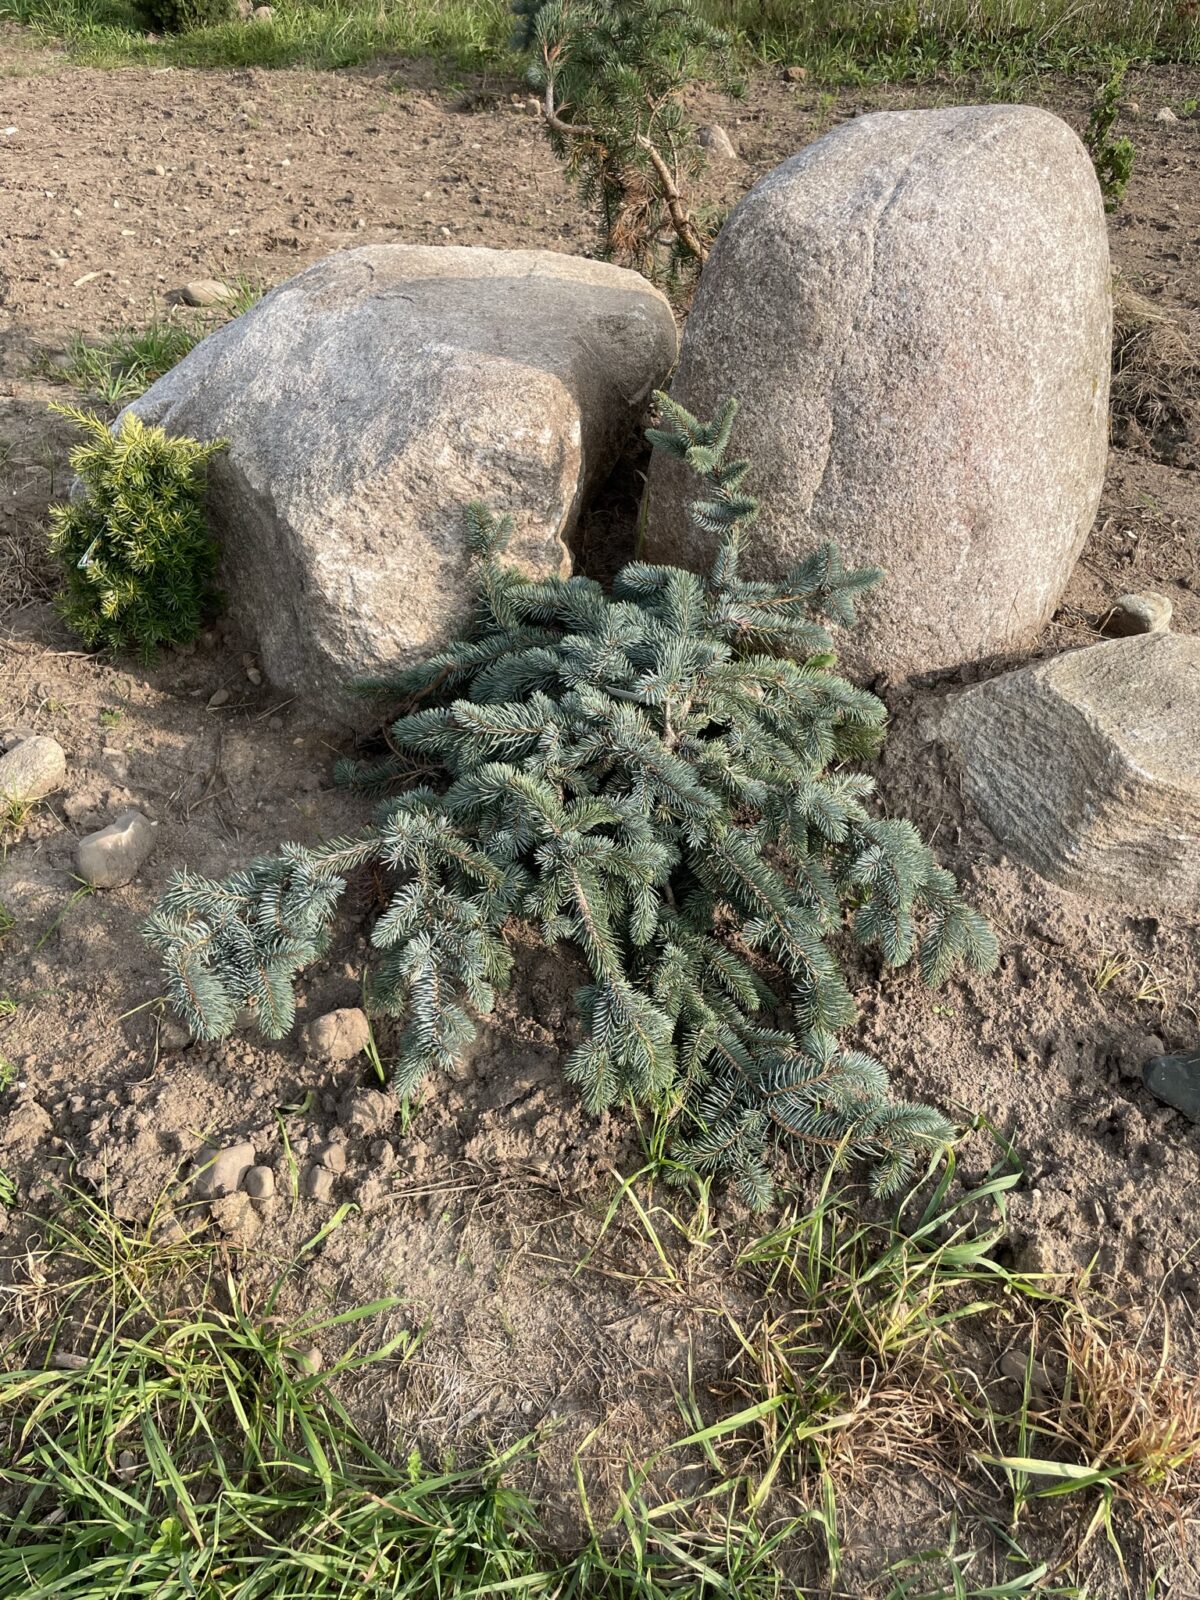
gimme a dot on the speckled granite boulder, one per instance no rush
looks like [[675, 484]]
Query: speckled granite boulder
[[1087, 767], [915, 313], [370, 398]]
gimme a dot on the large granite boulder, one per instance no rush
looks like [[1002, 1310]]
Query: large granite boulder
[[1087, 767], [915, 315], [366, 401]]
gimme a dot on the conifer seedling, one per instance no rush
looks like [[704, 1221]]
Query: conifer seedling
[[610, 76], [138, 561], [668, 779]]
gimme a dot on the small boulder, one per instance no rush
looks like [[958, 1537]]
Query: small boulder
[[795, 74], [32, 769], [1175, 1080], [717, 142], [206, 292], [915, 314], [339, 1035], [1087, 767], [223, 1171], [366, 402], [110, 858], [1133, 614], [263, 13], [259, 1183]]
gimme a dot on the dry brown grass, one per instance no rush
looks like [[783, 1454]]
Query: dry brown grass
[[1156, 374]]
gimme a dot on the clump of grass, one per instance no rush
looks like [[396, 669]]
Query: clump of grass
[[887, 40], [1156, 376], [317, 33], [119, 367]]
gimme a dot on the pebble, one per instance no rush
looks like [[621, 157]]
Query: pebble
[[110, 858], [263, 13], [259, 1183], [1165, 115], [1137, 613], [206, 292], [319, 1183], [795, 74], [224, 1171], [32, 769], [219, 697], [1175, 1080], [332, 1157], [308, 1359], [717, 142], [172, 1035], [339, 1035]]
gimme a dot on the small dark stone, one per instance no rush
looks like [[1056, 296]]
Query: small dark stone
[[1175, 1080]]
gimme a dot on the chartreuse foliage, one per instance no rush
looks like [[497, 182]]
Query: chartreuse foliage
[[137, 556], [664, 778]]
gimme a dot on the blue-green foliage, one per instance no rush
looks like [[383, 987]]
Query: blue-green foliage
[[665, 778]]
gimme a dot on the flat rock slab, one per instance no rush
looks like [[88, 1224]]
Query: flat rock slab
[[1087, 767], [915, 314], [1175, 1080], [366, 402]]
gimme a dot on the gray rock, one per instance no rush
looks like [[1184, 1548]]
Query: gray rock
[[915, 313], [206, 292], [32, 769], [339, 1035], [717, 142], [1087, 767], [1175, 1080], [1137, 613], [259, 1183], [223, 1171], [366, 401], [110, 858], [319, 1183], [1165, 115]]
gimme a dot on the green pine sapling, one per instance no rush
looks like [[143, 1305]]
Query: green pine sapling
[[610, 76], [664, 778]]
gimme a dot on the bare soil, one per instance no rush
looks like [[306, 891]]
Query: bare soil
[[118, 188]]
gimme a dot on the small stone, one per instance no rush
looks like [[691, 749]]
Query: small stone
[[383, 1155], [110, 858], [332, 1157], [263, 13], [237, 1219], [1175, 1080], [1137, 613], [339, 1035], [717, 142], [172, 1035], [206, 292], [795, 74], [254, 676], [32, 769], [533, 106], [68, 1361], [308, 1359], [319, 1183], [1165, 115], [259, 1183], [219, 697], [223, 1172]]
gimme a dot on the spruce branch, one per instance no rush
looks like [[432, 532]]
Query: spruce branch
[[663, 778]]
